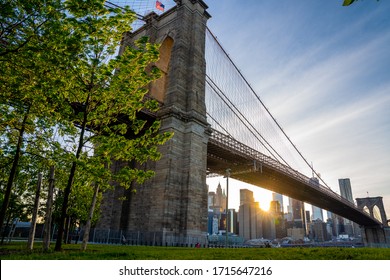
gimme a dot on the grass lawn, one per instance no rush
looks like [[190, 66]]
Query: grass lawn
[[17, 251]]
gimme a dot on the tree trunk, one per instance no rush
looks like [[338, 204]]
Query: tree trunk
[[31, 235], [12, 173], [6, 226], [68, 188], [49, 208], [67, 229], [88, 224]]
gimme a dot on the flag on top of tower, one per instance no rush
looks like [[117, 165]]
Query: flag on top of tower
[[160, 6]]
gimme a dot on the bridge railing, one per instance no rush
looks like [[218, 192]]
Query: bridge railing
[[238, 147]]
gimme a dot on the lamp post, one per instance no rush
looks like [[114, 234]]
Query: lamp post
[[227, 174]]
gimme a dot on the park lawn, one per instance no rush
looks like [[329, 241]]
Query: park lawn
[[17, 251]]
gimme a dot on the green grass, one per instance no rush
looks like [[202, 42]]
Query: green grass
[[17, 251]]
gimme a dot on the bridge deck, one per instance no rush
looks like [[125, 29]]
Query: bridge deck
[[253, 167]]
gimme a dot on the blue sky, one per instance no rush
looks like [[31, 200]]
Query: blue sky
[[323, 70]]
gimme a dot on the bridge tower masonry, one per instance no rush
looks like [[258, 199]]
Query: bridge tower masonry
[[171, 208], [375, 208]]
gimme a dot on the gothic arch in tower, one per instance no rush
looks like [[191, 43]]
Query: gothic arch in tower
[[374, 207], [159, 87]]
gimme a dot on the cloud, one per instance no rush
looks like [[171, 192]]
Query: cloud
[[323, 71]]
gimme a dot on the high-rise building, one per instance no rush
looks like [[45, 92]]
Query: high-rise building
[[297, 210], [216, 208], [232, 226], [345, 189], [211, 201], [217, 200], [319, 231], [278, 221], [246, 196], [249, 216], [346, 192], [278, 197], [221, 198], [317, 213], [274, 207]]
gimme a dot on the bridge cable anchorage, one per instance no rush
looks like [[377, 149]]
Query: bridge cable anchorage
[[269, 113]]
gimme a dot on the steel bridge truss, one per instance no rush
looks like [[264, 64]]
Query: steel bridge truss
[[252, 166]]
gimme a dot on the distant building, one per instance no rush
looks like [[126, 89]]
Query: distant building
[[345, 189], [268, 225], [347, 226], [233, 221], [274, 207], [246, 196], [298, 212], [249, 220], [319, 231], [279, 222], [217, 208], [307, 222], [278, 197], [249, 216], [211, 202], [220, 198], [317, 213]]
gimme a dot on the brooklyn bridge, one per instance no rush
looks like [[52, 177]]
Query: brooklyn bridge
[[219, 123]]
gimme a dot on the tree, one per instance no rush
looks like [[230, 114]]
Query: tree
[[349, 2], [27, 81], [21, 21], [58, 75], [106, 95]]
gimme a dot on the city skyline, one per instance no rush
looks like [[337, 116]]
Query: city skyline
[[330, 66]]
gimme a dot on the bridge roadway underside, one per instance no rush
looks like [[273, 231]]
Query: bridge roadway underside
[[242, 168]]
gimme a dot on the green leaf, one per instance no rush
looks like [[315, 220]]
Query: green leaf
[[348, 2]]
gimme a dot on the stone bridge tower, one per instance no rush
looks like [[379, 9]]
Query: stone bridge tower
[[375, 208], [171, 208]]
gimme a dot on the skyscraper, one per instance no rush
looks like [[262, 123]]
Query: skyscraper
[[246, 196], [220, 198], [278, 197], [278, 221], [317, 213], [345, 189], [297, 210], [346, 192], [249, 216], [274, 207]]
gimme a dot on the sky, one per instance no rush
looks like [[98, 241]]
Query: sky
[[323, 70]]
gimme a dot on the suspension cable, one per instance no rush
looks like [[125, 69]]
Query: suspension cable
[[246, 120], [269, 113]]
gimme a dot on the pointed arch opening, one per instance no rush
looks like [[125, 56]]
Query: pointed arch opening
[[158, 88], [377, 213]]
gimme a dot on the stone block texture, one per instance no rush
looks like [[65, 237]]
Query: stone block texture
[[173, 204]]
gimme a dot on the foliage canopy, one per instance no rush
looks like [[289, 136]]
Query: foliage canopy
[[67, 100]]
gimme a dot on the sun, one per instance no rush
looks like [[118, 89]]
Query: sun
[[263, 196]]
